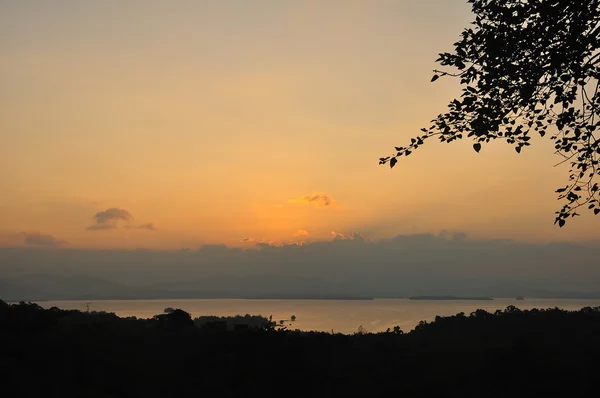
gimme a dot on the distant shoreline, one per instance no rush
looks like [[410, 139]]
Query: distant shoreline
[[191, 298], [450, 298], [309, 298], [412, 298]]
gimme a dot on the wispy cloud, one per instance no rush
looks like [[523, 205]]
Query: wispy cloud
[[101, 227], [247, 239], [36, 239], [300, 233], [319, 199], [267, 244], [149, 226], [353, 236], [338, 235]]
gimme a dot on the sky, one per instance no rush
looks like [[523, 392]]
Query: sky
[[169, 125]]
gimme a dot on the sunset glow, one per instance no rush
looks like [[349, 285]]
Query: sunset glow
[[178, 124]]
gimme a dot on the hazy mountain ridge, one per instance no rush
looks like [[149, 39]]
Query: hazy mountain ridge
[[35, 288], [411, 265], [81, 287]]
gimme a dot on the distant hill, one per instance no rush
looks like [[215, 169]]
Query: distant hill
[[38, 287], [47, 286]]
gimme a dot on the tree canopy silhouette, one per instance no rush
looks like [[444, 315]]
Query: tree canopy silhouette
[[528, 67], [511, 353]]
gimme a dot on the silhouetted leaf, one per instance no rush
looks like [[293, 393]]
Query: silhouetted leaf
[[393, 162], [523, 57]]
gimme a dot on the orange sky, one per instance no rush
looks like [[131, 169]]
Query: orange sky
[[219, 121]]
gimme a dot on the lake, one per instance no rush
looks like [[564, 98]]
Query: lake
[[344, 316]]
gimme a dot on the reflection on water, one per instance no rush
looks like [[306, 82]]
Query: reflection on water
[[343, 316]]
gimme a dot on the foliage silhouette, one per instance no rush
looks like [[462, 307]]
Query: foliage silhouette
[[175, 320], [516, 353], [237, 322], [528, 67]]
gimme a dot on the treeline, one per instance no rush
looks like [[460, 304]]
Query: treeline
[[510, 353], [237, 322]]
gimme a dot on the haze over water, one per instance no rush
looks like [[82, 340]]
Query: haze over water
[[343, 316]]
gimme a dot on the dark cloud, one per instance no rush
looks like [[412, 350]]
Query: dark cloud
[[319, 199], [109, 218], [101, 227], [149, 226], [405, 265], [36, 239], [111, 215], [247, 239]]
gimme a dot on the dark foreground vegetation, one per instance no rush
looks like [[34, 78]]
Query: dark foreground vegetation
[[510, 353]]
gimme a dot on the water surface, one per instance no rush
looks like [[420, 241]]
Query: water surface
[[343, 316]]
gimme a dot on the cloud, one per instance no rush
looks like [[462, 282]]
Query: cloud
[[109, 218], [149, 226], [112, 214], [247, 239], [319, 199], [268, 243], [37, 239], [405, 265], [101, 227], [352, 236], [301, 233], [295, 243], [338, 235]]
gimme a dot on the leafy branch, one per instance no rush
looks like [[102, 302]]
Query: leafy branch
[[526, 68]]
